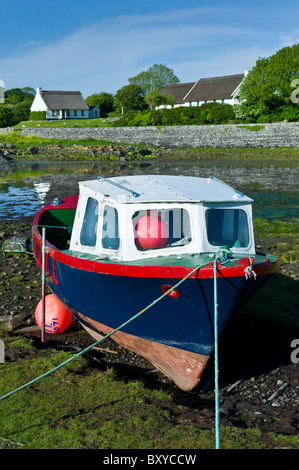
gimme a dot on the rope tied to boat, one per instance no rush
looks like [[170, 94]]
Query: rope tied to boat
[[249, 272]]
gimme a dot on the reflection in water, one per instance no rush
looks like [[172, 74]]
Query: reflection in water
[[25, 187], [42, 190]]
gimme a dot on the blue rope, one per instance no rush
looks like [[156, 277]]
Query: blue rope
[[217, 432]]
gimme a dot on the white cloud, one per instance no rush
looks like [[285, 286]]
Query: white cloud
[[218, 63], [290, 39], [103, 56]]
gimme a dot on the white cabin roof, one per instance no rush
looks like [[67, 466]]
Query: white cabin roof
[[164, 188]]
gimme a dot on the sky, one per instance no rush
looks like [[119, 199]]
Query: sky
[[97, 45]]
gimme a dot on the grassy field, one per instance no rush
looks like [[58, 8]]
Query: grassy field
[[65, 123], [71, 410]]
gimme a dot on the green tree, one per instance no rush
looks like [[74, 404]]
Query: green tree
[[103, 100], [154, 98], [129, 98], [6, 116], [18, 95], [268, 86], [21, 111], [154, 78]]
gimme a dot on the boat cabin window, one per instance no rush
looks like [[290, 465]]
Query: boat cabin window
[[161, 228], [227, 227], [110, 236], [88, 236]]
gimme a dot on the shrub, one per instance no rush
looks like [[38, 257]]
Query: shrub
[[208, 113], [37, 116]]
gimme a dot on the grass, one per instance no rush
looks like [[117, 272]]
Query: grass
[[255, 128], [23, 141], [71, 410], [64, 123]]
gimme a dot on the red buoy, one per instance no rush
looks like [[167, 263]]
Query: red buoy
[[58, 318], [151, 232]]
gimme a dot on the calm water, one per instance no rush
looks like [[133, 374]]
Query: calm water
[[25, 187]]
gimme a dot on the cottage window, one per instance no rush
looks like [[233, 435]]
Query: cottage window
[[75, 112], [227, 227], [110, 236], [82, 113], [161, 228], [88, 236]]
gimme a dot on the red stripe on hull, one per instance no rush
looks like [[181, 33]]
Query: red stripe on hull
[[174, 272], [131, 270], [184, 368]]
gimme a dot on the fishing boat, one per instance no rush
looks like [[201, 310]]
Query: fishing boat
[[168, 242]]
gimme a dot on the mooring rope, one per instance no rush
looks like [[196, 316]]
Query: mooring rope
[[216, 368], [218, 258]]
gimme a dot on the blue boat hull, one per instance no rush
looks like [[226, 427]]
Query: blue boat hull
[[186, 322], [181, 328]]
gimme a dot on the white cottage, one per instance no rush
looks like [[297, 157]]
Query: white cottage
[[206, 90], [60, 104], [94, 112]]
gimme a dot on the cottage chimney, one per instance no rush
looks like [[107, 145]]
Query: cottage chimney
[[38, 90]]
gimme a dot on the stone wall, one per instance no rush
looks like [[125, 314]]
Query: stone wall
[[224, 136]]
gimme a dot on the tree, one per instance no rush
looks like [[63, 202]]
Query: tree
[[268, 86], [103, 100], [6, 116], [154, 78], [18, 95], [129, 98], [155, 98]]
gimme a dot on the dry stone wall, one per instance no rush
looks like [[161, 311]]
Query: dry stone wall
[[223, 136]]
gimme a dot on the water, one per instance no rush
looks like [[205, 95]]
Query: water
[[26, 187]]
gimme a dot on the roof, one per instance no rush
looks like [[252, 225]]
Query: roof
[[205, 89], [64, 100], [215, 88], [164, 188], [178, 90]]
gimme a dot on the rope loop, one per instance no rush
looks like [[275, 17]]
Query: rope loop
[[249, 272]]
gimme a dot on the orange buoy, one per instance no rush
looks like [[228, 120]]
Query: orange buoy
[[151, 232], [57, 317]]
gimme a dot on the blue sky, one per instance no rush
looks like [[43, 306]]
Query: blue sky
[[96, 45]]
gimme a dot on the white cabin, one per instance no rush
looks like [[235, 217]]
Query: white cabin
[[60, 104], [137, 217]]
